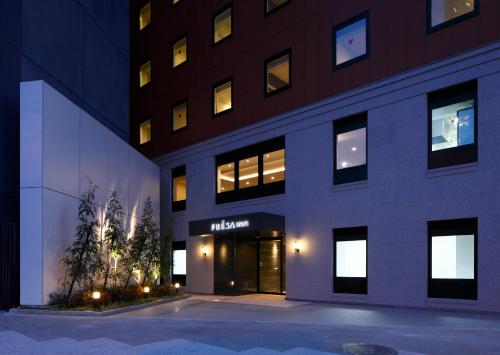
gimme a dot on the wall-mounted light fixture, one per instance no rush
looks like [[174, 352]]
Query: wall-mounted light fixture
[[204, 250], [296, 246]]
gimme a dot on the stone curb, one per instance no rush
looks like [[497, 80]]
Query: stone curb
[[51, 312]]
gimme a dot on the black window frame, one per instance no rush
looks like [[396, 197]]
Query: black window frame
[[174, 42], [277, 8], [464, 154], [279, 55], [336, 28], [172, 118], [220, 12], [452, 288], [431, 29], [351, 285], [216, 85], [344, 125], [178, 245], [178, 172], [261, 189]]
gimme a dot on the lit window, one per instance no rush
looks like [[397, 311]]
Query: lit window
[[175, 2], [179, 262], [179, 116], [222, 97], [278, 73], [225, 177], [453, 261], [350, 260], [222, 25], [145, 74], [272, 5], [248, 172], [444, 12], [452, 115], [145, 16], [274, 166], [350, 149], [179, 52], [259, 170], [145, 132], [351, 41], [179, 188]]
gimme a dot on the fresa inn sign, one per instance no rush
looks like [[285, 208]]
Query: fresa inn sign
[[224, 225]]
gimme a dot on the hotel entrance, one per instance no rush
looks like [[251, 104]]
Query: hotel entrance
[[248, 264], [248, 255]]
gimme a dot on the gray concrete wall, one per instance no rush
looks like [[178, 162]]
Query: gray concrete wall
[[396, 201], [62, 148]]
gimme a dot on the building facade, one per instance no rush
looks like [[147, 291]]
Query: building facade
[[333, 151], [80, 48]]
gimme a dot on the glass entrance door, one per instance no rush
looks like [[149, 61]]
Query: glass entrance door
[[246, 264]]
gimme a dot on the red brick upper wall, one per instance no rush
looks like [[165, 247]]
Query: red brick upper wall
[[398, 42]]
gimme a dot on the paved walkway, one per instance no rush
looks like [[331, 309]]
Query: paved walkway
[[250, 325]]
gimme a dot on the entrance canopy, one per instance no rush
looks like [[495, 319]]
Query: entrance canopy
[[240, 223]]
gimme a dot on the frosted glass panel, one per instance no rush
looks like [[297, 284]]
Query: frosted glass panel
[[179, 262], [453, 257], [351, 258]]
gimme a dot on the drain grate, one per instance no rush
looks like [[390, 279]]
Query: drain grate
[[368, 349]]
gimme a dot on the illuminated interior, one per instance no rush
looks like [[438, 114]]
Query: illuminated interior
[[351, 42], [248, 172], [179, 188], [222, 98], [179, 258], [350, 258], [273, 4], [278, 73], [180, 52], [446, 10], [274, 166], [145, 132], [179, 116], [222, 25], [145, 74], [225, 178], [453, 125], [351, 148], [453, 257], [145, 16]]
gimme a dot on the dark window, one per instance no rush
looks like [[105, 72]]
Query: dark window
[[180, 51], [179, 262], [179, 115], [351, 41], [277, 72], [350, 156], [222, 25], [452, 126], [273, 5], [444, 13], [222, 97], [250, 172], [179, 188], [350, 260], [452, 270]]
